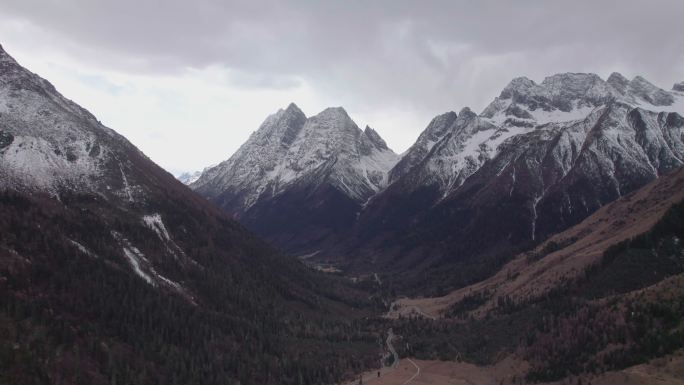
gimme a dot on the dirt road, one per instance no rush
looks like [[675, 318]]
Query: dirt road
[[372, 375]]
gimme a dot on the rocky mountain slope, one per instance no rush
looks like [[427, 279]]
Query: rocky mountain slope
[[603, 295], [538, 159], [565, 256], [112, 271], [297, 180]]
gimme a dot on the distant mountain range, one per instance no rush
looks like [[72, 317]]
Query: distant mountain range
[[543, 234], [189, 177], [538, 159]]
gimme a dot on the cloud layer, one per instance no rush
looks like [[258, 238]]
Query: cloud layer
[[393, 64]]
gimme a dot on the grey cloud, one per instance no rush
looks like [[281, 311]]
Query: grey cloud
[[429, 55]]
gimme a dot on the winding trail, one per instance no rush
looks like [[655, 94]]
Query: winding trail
[[390, 347], [415, 375], [372, 377], [385, 369]]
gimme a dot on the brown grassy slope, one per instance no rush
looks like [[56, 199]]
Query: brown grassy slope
[[565, 255]]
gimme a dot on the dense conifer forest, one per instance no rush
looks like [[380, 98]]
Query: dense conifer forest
[[68, 317]]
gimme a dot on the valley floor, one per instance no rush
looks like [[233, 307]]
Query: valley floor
[[667, 370], [414, 371]]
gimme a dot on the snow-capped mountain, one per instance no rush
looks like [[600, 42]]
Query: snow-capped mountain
[[324, 165], [435, 131], [289, 147], [113, 253], [538, 159], [469, 140], [51, 146], [52, 149], [49, 143], [189, 177]]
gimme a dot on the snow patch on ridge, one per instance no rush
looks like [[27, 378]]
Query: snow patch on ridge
[[677, 106], [155, 223], [134, 257], [33, 162], [143, 267], [82, 249], [539, 116]]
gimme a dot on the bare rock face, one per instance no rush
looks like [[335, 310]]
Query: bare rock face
[[678, 87]]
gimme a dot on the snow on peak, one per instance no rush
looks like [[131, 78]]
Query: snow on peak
[[289, 147], [433, 133], [518, 85], [189, 177], [50, 144], [470, 141], [571, 96], [467, 142], [524, 106], [644, 90]]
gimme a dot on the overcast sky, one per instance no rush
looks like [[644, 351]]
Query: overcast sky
[[188, 81]]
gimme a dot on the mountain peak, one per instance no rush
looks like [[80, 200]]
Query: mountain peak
[[294, 108], [617, 77], [573, 86], [466, 112], [375, 138], [618, 82], [437, 128], [678, 87], [640, 83], [334, 117], [645, 90], [5, 57], [522, 81], [640, 79], [290, 149], [517, 86], [439, 125], [434, 132], [569, 77], [292, 111], [334, 111]]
